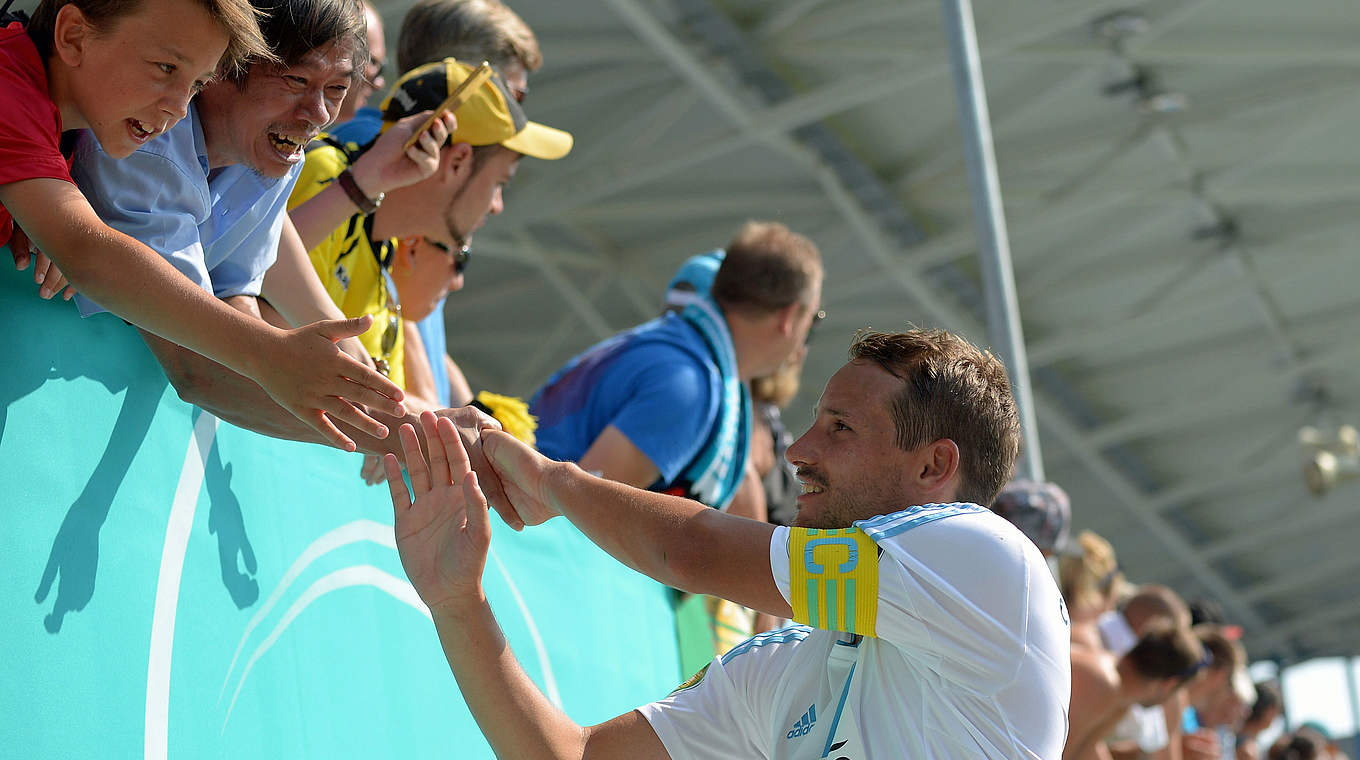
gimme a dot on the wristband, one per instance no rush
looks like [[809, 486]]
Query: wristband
[[365, 204]]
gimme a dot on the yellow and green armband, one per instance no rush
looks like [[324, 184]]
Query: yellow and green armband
[[833, 579]]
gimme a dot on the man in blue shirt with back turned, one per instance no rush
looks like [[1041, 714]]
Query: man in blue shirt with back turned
[[664, 406]]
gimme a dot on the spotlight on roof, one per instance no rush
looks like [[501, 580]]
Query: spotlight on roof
[[1329, 458]]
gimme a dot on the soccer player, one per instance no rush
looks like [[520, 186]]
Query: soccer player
[[931, 626]]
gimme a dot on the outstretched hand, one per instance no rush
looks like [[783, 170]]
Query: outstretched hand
[[444, 534], [316, 381], [524, 476]]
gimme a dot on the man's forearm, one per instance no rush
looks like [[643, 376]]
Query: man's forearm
[[675, 541], [291, 284], [512, 713]]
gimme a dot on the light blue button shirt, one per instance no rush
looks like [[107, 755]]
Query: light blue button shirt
[[219, 227]]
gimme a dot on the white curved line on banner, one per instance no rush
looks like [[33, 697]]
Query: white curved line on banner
[[344, 535], [358, 575], [549, 680], [156, 739]]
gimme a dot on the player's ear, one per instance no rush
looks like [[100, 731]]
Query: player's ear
[[938, 465]]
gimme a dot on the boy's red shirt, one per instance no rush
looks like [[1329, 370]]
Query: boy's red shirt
[[30, 132]]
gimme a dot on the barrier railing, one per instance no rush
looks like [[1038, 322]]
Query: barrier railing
[[176, 586]]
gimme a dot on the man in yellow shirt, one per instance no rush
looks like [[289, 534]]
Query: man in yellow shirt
[[446, 207]]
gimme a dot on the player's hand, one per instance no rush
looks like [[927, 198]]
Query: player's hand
[[470, 421], [444, 534], [387, 165], [312, 378], [524, 475]]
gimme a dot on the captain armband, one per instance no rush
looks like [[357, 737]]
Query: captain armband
[[833, 579]]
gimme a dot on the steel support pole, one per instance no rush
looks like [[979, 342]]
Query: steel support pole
[[998, 278]]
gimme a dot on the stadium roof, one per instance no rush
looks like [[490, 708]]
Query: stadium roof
[[1179, 179]]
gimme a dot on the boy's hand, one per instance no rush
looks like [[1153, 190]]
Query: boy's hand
[[309, 376], [442, 537], [386, 166], [372, 471], [45, 273]]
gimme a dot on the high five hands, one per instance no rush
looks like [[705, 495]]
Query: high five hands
[[442, 526]]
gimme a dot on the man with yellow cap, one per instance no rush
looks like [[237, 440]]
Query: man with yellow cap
[[444, 208]]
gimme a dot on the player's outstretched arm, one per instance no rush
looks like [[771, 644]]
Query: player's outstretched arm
[[443, 537], [676, 541], [301, 369]]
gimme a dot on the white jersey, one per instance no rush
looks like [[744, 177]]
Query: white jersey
[[964, 652]]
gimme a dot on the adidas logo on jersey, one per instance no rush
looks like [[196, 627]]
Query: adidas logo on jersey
[[804, 725]]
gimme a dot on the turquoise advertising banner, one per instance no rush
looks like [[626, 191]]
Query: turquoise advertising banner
[[175, 586]]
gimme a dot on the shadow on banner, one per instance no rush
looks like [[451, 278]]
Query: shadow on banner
[[179, 586]]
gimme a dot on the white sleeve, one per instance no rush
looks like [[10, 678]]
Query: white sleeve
[[951, 592], [957, 591], [709, 720]]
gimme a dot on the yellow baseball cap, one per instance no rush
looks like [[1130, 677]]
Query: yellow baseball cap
[[489, 117]]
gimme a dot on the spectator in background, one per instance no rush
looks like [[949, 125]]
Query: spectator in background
[[1104, 687], [664, 406], [1089, 581], [209, 193], [1304, 744], [352, 236], [472, 31], [121, 72], [1221, 698], [1269, 706], [770, 439], [371, 80], [1144, 729], [1042, 512]]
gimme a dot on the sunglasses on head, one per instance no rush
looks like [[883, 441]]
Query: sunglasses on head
[[460, 257]]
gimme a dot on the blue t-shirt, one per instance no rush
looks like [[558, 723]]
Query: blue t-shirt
[[366, 125], [220, 227], [431, 331], [660, 395]]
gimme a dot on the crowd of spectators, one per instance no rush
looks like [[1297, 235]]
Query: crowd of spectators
[[285, 247]]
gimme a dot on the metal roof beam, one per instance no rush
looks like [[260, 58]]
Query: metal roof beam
[[885, 253], [630, 171], [1307, 575], [1315, 517]]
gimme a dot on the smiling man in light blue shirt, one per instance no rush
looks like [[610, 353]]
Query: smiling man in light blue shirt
[[219, 226]]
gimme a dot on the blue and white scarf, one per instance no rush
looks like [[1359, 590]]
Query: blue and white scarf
[[715, 473]]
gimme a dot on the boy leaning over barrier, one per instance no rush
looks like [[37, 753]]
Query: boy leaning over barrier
[[109, 66]]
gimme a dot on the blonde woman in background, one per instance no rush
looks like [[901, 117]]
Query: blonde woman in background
[[1090, 584]]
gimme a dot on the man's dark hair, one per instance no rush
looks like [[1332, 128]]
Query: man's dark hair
[[1267, 698], [1166, 651], [767, 267], [469, 30], [950, 390], [294, 28], [1226, 652], [235, 17]]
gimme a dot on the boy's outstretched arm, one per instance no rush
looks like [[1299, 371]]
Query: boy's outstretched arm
[[443, 538], [301, 369]]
